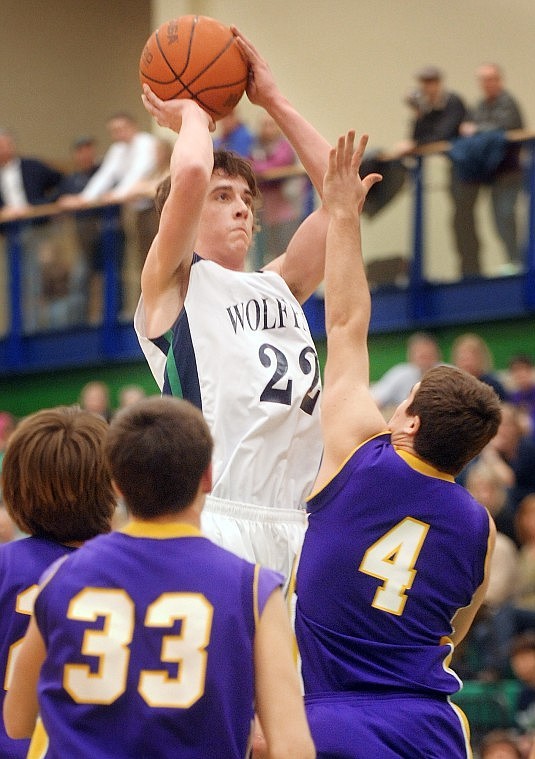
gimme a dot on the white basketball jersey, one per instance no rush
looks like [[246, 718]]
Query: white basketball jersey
[[241, 350]]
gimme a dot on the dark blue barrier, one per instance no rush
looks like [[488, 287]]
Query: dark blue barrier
[[419, 304]]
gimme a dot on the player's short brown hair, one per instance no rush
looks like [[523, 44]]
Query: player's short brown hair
[[225, 161], [158, 449], [458, 414], [55, 480]]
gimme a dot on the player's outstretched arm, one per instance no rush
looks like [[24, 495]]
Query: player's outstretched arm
[[349, 413], [279, 702], [165, 273], [20, 704], [262, 90]]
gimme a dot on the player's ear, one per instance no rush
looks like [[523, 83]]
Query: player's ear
[[116, 490], [413, 425], [206, 480]]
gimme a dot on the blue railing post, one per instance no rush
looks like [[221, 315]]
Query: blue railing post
[[112, 245], [416, 303], [530, 248], [14, 287]]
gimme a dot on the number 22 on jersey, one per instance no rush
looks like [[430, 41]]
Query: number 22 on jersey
[[392, 559]]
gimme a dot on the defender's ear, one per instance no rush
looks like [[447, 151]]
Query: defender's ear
[[412, 426], [206, 480]]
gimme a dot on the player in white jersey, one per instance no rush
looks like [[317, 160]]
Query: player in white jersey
[[237, 344]]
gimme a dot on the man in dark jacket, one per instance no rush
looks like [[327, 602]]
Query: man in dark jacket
[[26, 182]]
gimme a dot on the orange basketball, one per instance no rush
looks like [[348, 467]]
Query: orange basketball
[[195, 57]]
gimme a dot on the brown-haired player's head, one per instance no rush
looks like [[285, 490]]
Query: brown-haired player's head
[[458, 415], [55, 480], [225, 162], [158, 450]]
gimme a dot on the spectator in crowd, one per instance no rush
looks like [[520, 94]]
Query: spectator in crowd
[[437, 112], [7, 426], [522, 394], [500, 744], [140, 221], [423, 352], [437, 117], [27, 182], [517, 614], [24, 181], [480, 654], [470, 352], [129, 394], [88, 224], [281, 210], [130, 157], [233, 134], [511, 454], [95, 397], [497, 110], [523, 667]]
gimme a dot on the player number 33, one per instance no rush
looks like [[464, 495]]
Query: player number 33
[[111, 645]]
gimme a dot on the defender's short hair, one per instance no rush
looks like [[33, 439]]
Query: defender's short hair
[[55, 479], [458, 414], [158, 449]]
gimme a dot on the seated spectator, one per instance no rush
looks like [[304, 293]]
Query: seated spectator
[[480, 655], [471, 353], [129, 394], [233, 134], [7, 427], [282, 204], [130, 158], [95, 397], [423, 352], [511, 453], [523, 667], [522, 375], [500, 744], [88, 225], [517, 615]]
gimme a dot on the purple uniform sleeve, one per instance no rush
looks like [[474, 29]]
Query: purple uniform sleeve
[[268, 580]]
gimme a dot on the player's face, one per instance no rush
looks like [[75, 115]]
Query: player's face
[[226, 225]]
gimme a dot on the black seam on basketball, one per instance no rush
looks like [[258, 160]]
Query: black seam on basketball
[[175, 74], [222, 86], [212, 61]]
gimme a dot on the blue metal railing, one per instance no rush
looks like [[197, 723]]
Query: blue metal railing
[[419, 304]]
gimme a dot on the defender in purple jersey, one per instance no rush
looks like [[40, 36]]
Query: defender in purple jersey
[[393, 566], [57, 489], [153, 641]]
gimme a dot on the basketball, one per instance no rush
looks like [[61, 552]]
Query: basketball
[[195, 57]]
